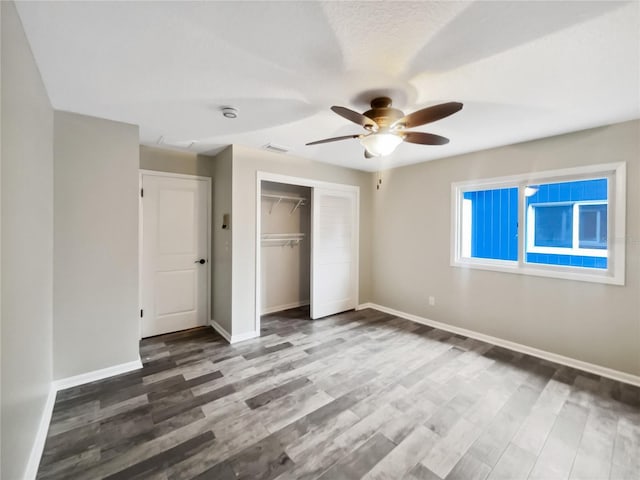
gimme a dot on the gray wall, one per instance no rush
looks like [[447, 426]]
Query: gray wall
[[96, 316], [174, 161], [222, 247], [27, 246], [411, 243], [246, 163], [1, 403]]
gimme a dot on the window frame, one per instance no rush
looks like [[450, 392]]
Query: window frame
[[614, 274]]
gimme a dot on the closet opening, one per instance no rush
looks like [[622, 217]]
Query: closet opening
[[306, 247], [285, 249]]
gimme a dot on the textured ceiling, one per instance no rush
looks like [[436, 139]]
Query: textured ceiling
[[523, 70]]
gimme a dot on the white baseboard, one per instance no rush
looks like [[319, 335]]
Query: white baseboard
[[41, 436], [43, 428], [518, 347], [83, 378], [279, 308], [244, 336], [232, 338], [221, 330]]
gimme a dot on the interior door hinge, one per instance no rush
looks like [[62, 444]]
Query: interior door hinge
[[141, 313], [142, 192]]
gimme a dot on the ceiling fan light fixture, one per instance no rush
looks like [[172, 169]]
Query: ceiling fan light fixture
[[381, 144]]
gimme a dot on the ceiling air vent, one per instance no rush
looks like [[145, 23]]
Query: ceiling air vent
[[272, 147]]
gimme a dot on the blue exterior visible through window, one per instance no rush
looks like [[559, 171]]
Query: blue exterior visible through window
[[570, 216], [493, 223]]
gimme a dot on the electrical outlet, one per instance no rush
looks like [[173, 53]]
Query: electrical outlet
[[432, 301]]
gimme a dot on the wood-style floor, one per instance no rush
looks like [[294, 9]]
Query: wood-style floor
[[357, 395]]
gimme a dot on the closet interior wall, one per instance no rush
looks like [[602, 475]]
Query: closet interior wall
[[285, 246]]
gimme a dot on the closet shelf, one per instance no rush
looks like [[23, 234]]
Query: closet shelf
[[299, 201], [270, 239]]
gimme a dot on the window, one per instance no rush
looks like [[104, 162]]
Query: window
[[567, 223], [559, 224], [551, 226], [490, 224], [593, 225]]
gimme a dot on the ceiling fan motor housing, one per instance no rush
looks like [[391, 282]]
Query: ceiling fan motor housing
[[382, 113]]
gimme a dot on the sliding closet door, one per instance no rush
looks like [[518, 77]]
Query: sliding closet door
[[334, 258]]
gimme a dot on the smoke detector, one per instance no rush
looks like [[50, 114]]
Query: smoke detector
[[229, 112]]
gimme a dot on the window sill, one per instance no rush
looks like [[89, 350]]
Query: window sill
[[566, 273]]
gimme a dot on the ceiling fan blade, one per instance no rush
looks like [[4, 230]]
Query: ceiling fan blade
[[334, 139], [355, 117], [424, 138], [367, 154], [428, 115]]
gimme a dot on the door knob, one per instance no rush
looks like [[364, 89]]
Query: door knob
[[202, 261]]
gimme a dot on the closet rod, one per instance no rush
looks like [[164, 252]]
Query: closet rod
[[287, 238], [282, 236]]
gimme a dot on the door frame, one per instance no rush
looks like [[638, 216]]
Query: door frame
[[155, 173], [301, 182]]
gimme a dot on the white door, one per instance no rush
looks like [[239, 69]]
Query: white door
[[334, 257], [175, 253]]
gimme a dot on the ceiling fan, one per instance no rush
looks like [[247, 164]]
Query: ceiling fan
[[386, 126]]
